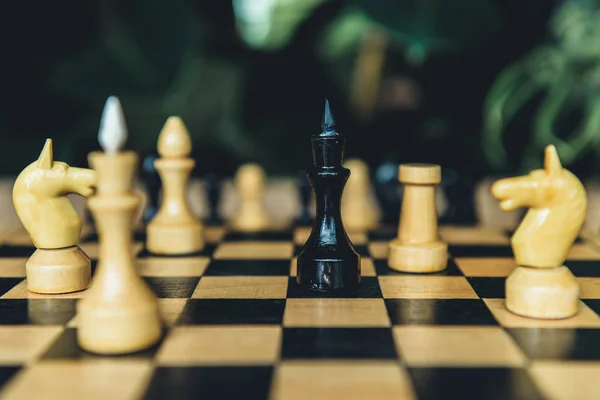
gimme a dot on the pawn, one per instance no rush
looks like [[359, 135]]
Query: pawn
[[40, 200], [418, 248], [250, 182], [359, 210], [174, 230]]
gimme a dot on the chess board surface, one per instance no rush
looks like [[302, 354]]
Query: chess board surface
[[239, 327]]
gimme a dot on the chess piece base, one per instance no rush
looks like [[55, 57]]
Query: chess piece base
[[328, 275], [175, 239], [417, 258], [53, 271], [542, 293], [119, 329]]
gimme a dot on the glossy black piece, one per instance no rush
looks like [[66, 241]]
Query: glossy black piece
[[153, 185], [212, 186], [368, 289], [328, 261]]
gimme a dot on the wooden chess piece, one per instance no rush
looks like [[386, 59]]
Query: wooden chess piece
[[250, 182], [174, 229], [359, 210], [418, 247], [328, 261], [119, 313], [541, 286], [40, 200]]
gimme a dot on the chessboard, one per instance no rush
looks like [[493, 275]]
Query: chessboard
[[238, 326]]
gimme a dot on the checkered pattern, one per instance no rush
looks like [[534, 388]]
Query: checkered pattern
[[239, 327]]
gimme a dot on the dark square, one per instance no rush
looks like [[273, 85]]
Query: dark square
[[13, 251], [488, 288], [584, 268], [66, 347], [369, 288], [594, 304], [558, 344], [8, 283], [248, 268], [439, 312], [328, 343], [36, 311], [465, 250], [221, 383], [6, 374], [267, 236], [172, 287], [232, 311], [207, 251], [473, 383], [382, 268]]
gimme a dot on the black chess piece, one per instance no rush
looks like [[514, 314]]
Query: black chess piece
[[153, 186], [304, 217], [459, 189], [212, 186], [328, 261], [389, 192]]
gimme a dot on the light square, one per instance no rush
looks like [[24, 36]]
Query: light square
[[367, 268], [254, 250], [241, 287], [585, 318], [472, 235], [567, 380], [172, 266], [426, 287], [231, 345], [589, 288], [583, 251], [348, 380], [335, 313], [457, 346], [90, 380], [486, 267], [22, 344], [13, 267], [20, 291]]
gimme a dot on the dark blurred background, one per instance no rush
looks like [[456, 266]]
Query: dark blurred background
[[479, 86]]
